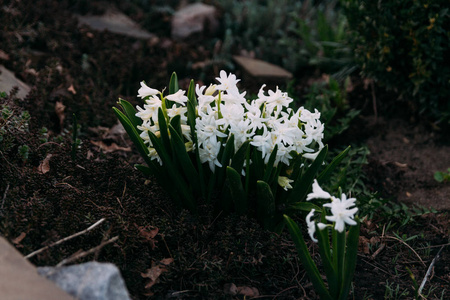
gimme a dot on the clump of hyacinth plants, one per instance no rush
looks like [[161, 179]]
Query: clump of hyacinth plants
[[252, 156], [327, 220]]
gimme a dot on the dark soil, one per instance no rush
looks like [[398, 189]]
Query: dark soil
[[52, 194]]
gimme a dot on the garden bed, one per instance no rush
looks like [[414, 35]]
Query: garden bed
[[51, 191]]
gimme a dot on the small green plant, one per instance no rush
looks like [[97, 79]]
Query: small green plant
[[12, 125], [394, 292], [339, 258], [403, 44], [259, 157], [442, 176]]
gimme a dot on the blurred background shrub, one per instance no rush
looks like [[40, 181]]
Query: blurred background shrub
[[293, 34], [404, 45]]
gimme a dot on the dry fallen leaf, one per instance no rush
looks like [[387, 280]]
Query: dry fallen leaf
[[44, 167], [18, 239], [110, 148], [149, 234], [248, 291], [4, 55], [155, 271], [72, 89], [59, 110]]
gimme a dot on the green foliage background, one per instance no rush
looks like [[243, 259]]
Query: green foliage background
[[404, 45]]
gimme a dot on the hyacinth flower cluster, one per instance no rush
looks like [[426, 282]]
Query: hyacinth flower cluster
[[209, 143], [339, 257]]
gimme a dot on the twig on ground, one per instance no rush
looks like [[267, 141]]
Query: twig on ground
[[382, 246], [397, 239], [4, 197], [86, 253], [435, 259], [66, 239]]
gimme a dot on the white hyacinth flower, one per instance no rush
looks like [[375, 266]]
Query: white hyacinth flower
[[342, 213], [145, 91], [317, 192], [311, 225], [285, 182]]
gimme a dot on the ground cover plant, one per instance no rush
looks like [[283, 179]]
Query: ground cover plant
[[53, 189]]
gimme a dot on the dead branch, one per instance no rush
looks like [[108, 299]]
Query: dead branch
[[66, 239], [86, 253], [410, 248], [435, 259]]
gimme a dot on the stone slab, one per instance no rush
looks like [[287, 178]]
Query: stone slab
[[19, 279], [89, 281], [195, 18], [8, 80], [261, 69], [115, 22]]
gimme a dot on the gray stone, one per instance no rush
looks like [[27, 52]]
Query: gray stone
[[196, 18], [19, 279], [261, 69], [89, 281], [115, 22], [8, 81]]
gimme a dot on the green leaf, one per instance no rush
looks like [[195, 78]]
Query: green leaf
[[179, 184], [175, 122], [173, 84], [305, 206], [269, 166], [237, 192], [303, 184], [325, 174], [225, 158], [257, 165], [265, 208], [350, 259], [237, 162], [130, 112], [183, 159], [133, 134], [305, 258], [439, 176], [191, 93], [164, 132], [325, 255]]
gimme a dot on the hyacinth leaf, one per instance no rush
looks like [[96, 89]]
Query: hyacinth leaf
[[237, 191], [173, 84], [164, 131], [339, 254], [270, 164], [304, 183], [233, 192], [295, 166], [305, 258], [325, 174], [183, 159], [175, 122], [265, 206], [305, 206], [225, 158], [325, 255], [237, 162], [178, 183], [130, 112], [350, 259], [257, 165], [133, 134], [191, 93]]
